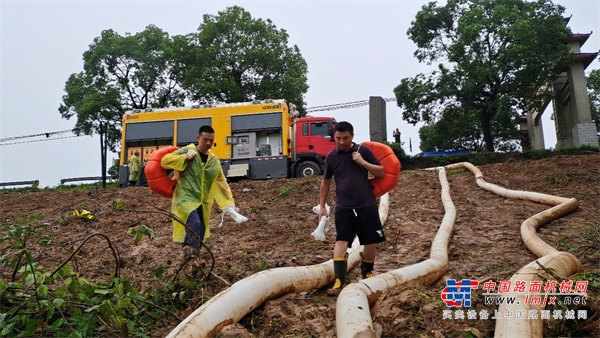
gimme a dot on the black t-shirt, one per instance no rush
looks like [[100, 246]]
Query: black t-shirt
[[203, 157], [352, 186]]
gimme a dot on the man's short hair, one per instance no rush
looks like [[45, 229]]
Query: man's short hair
[[344, 126], [206, 129]]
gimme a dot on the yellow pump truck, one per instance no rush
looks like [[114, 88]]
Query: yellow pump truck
[[254, 140]]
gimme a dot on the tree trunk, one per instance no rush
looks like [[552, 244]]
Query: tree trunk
[[486, 117]]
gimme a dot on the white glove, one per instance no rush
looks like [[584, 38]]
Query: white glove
[[317, 208], [191, 154], [233, 212], [319, 233]]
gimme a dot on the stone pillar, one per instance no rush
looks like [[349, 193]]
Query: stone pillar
[[377, 119], [580, 100], [562, 114], [583, 129], [535, 133], [523, 122], [585, 134]]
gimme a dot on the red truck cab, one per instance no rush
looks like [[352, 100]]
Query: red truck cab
[[314, 140]]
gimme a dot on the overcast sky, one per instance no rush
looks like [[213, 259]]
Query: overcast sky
[[354, 50]]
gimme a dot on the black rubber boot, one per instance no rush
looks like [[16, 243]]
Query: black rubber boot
[[366, 267], [340, 265]]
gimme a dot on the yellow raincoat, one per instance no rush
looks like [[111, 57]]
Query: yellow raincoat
[[134, 168], [198, 184]]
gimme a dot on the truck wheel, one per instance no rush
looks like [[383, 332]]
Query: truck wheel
[[308, 168]]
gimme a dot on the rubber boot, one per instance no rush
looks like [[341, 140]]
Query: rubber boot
[[366, 267], [340, 265]]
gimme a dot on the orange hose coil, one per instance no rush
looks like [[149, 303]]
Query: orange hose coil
[[158, 178], [391, 166]]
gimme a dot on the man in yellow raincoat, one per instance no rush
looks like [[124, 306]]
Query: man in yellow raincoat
[[134, 168], [201, 182]]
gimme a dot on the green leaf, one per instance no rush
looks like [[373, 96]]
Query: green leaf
[[138, 237], [93, 308], [103, 291], [119, 204], [159, 272], [182, 296], [29, 278], [8, 329], [147, 231], [57, 324], [83, 297], [124, 303], [58, 302]]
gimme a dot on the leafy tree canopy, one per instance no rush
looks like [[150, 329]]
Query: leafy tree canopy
[[232, 58], [492, 56], [122, 73], [459, 130], [593, 83], [236, 58]]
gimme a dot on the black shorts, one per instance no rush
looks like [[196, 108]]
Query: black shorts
[[363, 222]]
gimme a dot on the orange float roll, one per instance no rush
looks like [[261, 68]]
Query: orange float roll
[[158, 178], [391, 166]]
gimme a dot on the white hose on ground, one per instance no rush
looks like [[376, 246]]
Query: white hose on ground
[[353, 316], [562, 263], [232, 304]]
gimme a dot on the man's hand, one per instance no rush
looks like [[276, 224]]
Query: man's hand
[[190, 154], [357, 157], [374, 170], [323, 212]]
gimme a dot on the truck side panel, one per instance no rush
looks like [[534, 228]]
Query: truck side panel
[[269, 167], [264, 125]]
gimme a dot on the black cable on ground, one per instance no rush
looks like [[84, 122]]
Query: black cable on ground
[[111, 246]]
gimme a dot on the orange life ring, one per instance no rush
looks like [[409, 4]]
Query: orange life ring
[[158, 178], [391, 166]]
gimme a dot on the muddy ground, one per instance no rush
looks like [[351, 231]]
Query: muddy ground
[[485, 245]]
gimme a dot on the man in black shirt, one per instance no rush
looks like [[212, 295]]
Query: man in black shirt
[[356, 207]]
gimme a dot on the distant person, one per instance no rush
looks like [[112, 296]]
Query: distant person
[[200, 181], [135, 168], [396, 134], [356, 211]]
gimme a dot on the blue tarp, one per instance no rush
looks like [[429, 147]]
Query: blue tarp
[[446, 153]]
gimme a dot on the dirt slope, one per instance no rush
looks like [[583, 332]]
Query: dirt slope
[[485, 245]]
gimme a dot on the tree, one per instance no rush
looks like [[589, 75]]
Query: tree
[[235, 58], [122, 73], [455, 130], [593, 84], [493, 56]]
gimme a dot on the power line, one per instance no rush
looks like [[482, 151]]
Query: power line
[[34, 135], [48, 139], [346, 105], [328, 107]]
